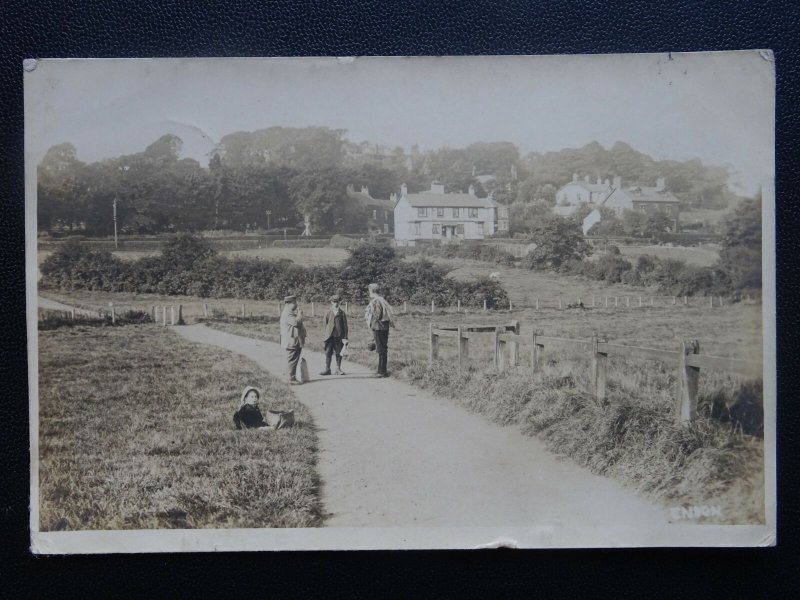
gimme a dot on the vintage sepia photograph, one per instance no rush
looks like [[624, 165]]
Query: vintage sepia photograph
[[401, 302]]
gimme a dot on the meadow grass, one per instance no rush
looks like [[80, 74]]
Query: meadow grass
[[136, 432], [633, 436]]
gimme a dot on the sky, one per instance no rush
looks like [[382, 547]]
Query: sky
[[718, 107]]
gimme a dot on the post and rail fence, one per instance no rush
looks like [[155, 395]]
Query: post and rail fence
[[508, 340]]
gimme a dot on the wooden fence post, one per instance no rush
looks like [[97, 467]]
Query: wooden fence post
[[559, 303], [537, 302], [484, 305], [685, 300], [606, 301], [180, 314], [463, 349], [499, 352], [711, 302], [510, 306], [433, 354], [627, 301], [689, 378], [579, 300], [405, 306], [172, 314], [599, 369], [243, 313], [312, 308], [534, 353], [674, 300], [205, 309], [458, 306], [164, 314], [113, 314], [72, 313], [513, 347]]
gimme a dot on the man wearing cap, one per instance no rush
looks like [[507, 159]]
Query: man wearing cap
[[379, 318], [334, 335], [293, 334]]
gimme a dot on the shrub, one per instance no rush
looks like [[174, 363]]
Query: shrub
[[341, 241]]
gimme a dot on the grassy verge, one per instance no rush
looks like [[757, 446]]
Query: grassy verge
[[136, 433], [633, 436]]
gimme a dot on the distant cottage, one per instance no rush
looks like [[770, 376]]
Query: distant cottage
[[435, 215], [645, 200], [380, 215], [576, 193]]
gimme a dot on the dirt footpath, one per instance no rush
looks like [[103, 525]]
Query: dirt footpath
[[392, 455]]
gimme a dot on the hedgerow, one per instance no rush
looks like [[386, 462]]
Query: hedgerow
[[189, 266]]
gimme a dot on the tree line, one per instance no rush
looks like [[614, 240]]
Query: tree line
[[272, 178]]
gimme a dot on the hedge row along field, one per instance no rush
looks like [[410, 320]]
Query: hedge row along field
[[188, 265]]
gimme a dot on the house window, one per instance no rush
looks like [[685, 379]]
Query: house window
[[579, 196], [459, 230], [642, 208], [668, 210], [455, 212], [480, 228], [422, 212], [436, 229], [439, 212], [374, 214], [473, 212], [417, 229]]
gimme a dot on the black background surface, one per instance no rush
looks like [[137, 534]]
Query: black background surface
[[370, 27]]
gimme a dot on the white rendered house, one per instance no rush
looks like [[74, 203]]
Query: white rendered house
[[435, 215]]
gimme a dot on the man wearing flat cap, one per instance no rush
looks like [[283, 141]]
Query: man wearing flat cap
[[334, 335], [293, 335]]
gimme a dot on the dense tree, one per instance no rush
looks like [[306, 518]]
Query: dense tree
[[558, 241]]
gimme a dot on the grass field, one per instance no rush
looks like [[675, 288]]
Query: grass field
[[702, 256], [136, 432]]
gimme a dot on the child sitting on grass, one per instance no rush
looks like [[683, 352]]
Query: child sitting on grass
[[249, 415]]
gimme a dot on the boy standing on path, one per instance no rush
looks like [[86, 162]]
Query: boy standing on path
[[334, 335], [293, 335], [379, 318]]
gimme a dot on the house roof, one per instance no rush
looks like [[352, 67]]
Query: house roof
[[645, 194], [367, 200], [432, 199], [589, 187]]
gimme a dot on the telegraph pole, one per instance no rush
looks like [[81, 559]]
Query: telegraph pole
[[269, 212], [115, 225]]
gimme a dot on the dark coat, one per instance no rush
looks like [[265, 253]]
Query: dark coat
[[248, 416], [328, 323]]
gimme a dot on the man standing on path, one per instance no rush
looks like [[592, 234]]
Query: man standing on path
[[293, 335], [334, 335], [379, 318]]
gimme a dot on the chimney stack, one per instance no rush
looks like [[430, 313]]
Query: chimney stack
[[599, 181], [350, 187], [393, 198], [574, 178], [365, 190], [607, 183], [617, 182], [471, 190], [403, 189], [660, 184], [586, 179]]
